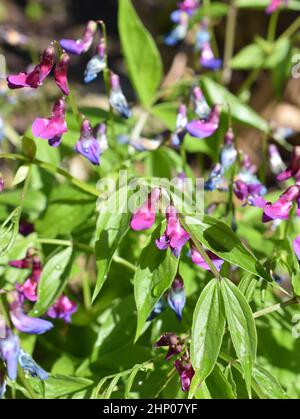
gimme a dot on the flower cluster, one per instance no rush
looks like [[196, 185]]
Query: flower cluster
[[20, 301], [183, 365], [90, 144]]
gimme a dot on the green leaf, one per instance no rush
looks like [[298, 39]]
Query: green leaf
[[221, 240], [9, 231], [207, 330], [21, 175], [241, 327], [250, 57], [62, 385], [29, 147], [142, 56], [51, 283], [155, 273], [130, 380], [268, 383], [217, 386], [112, 225], [247, 286], [241, 112], [262, 4]]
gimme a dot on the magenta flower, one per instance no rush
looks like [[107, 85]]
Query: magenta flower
[[189, 6], [296, 246], [275, 5], [80, 46], [172, 341], [279, 210], [144, 217], [52, 129], [117, 99], [294, 169], [87, 145], [60, 73], [199, 261], [25, 323], [175, 236], [247, 192], [29, 288], [37, 76], [2, 184], [204, 128], [207, 58], [25, 263], [63, 308], [185, 371]]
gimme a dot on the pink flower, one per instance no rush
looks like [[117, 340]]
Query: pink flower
[[60, 73], [37, 76], [63, 308], [82, 45], [185, 371], [203, 128], [28, 289], [275, 5], [279, 210], [144, 217], [294, 169], [52, 129], [199, 261], [175, 236]]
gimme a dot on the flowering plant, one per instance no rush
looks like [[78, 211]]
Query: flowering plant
[[146, 250]]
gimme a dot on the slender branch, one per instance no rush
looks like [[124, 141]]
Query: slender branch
[[229, 41], [275, 307], [291, 30], [273, 26]]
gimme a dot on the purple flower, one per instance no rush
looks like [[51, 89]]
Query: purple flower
[[61, 73], [216, 179], [96, 64], [207, 58], [296, 246], [117, 99], [29, 288], [1, 184], [181, 121], [31, 367], [144, 217], [185, 371], [63, 308], [25, 263], [172, 341], [177, 297], [202, 36], [53, 128], [175, 236], [37, 76], [276, 163], [199, 261], [9, 352], [294, 169], [87, 145], [80, 46], [228, 153], [25, 323], [279, 210], [2, 382], [26, 228], [247, 192], [204, 128], [275, 5], [201, 107], [100, 134], [180, 30]]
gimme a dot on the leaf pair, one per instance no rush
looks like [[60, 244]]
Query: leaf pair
[[221, 301]]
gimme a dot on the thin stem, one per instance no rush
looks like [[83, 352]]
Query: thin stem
[[275, 307], [67, 243], [291, 30], [124, 262], [273, 26], [26, 384], [229, 41], [249, 81], [25, 190]]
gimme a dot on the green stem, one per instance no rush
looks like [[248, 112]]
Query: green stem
[[291, 30], [124, 262], [67, 243], [272, 27], [275, 307], [77, 114], [229, 41], [26, 384], [249, 81]]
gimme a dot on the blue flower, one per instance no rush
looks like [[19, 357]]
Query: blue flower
[[177, 297], [9, 352], [117, 99], [31, 367]]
